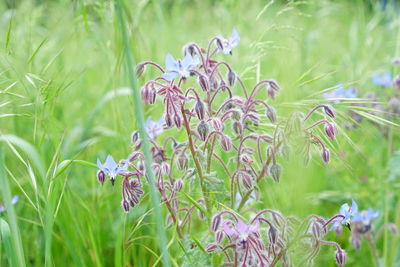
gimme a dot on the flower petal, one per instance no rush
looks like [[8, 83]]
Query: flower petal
[[169, 76], [170, 63]]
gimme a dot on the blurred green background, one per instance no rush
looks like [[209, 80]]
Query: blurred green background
[[64, 96]]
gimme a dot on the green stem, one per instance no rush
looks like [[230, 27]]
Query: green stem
[[130, 63]]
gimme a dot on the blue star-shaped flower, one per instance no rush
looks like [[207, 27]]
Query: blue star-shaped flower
[[111, 168], [230, 43], [154, 128], [384, 80], [175, 68], [341, 92], [347, 212], [365, 216]]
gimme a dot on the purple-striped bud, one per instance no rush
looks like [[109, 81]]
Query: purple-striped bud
[[216, 221], [231, 78], [245, 159], [146, 94], [330, 130], [177, 121], [200, 109], [101, 176], [178, 184], [140, 165], [271, 114], [165, 168], [340, 257], [214, 84], [219, 235], [272, 234], [217, 124], [202, 130], [201, 215], [276, 172], [237, 127], [226, 142], [220, 44], [325, 154], [134, 156], [125, 205], [247, 180], [202, 80], [271, 92], [182, 162], [153, 94], [329, 111], [139, 70], [135, 137], [168, 119], [211, 247]]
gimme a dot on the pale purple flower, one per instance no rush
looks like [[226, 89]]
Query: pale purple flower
[[111, 168], [14, 201], [179, 67], [241, 230], [365, 216], [229, 43], [384, 80], [154, 128], [340, 92]]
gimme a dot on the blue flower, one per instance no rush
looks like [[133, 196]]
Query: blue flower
[[384, 80], [154, 128], [230, 43], [14, 201], [178, 67], [365, 216], [341, 92], [111, 168], [347, 212]]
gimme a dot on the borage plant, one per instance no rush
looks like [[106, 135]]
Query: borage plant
[[240, 134]]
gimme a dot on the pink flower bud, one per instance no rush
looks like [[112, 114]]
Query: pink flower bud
[[226, 142], [165, 168], [237, 127], [216, 221], [101, 176], [329, 111], [152, 95], [325, 155], [271, 92], [178, 184], [217, 124], [202, 80], [125, 205], [200, 109], [272, 234], [168, 119], [135, 137], [330, 130], [182, 162], [146, 94], [247, 180], [219, 235], [231, 78], [134, 156], [245, 159], [177, 121], [340, 257], [211, 247]]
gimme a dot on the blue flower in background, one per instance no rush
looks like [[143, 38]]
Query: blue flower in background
[[230, 43], [384, 80], [154, 128], [111, 168], [341, 92], [14, 201], [178, 67], [365, 216]]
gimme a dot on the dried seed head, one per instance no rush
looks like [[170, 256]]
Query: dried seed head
[[231, 78], [340, 256], [271, 114], [329, 111], [101, 176], [215, 223], [226, 142], [276, 172], [125, 205], [325, 154], [139, 70], [200, 109], [203, 130], [202, 80], [211, 247]]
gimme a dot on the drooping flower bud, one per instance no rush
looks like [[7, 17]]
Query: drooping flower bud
[[276, 172], [271, 114], [330, 130], [325, 154], [177, 121], [203, 130], [219, 235], [101, 176], [231, 78], [214, 84], [139, 70], [245, 159], [220, 44], [165, 168], [153, 94], [216, 221], [168, 119], [272, 234], [202, 80], [247, 180], [146, 94], [396, 82], [200, 109], [125, 205], [226, 142], [271, 92], [237, 127], [340, 257], [182, 162], [178, 184], [329, 111], [211, 247], [217, 124], [135, 137]]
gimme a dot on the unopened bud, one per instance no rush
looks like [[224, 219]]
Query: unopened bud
[[182, 162], [177, 121], [217, 124], [329, 111], [340, 257], [276, 172], [237, 127], [146, 94], [220, 44], [245, 159], [202, 80], [271, 92], [101, 176], [139, 70], [168, 119], [271, 114], [203, 130], [216, 221], [165, 168], [153, 94], [247, 180], [231, 78], [219, 235], [178, 184], [226, 143], [396, 82], [134, 156], [125, 205], [272, 234], [135, 137], [200, 109], [330, 130], [325, 155], [211, 247]]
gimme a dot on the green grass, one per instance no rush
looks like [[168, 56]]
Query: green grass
[[64, 102]]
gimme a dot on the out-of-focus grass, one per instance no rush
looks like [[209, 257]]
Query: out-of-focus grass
[[63, 97]]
